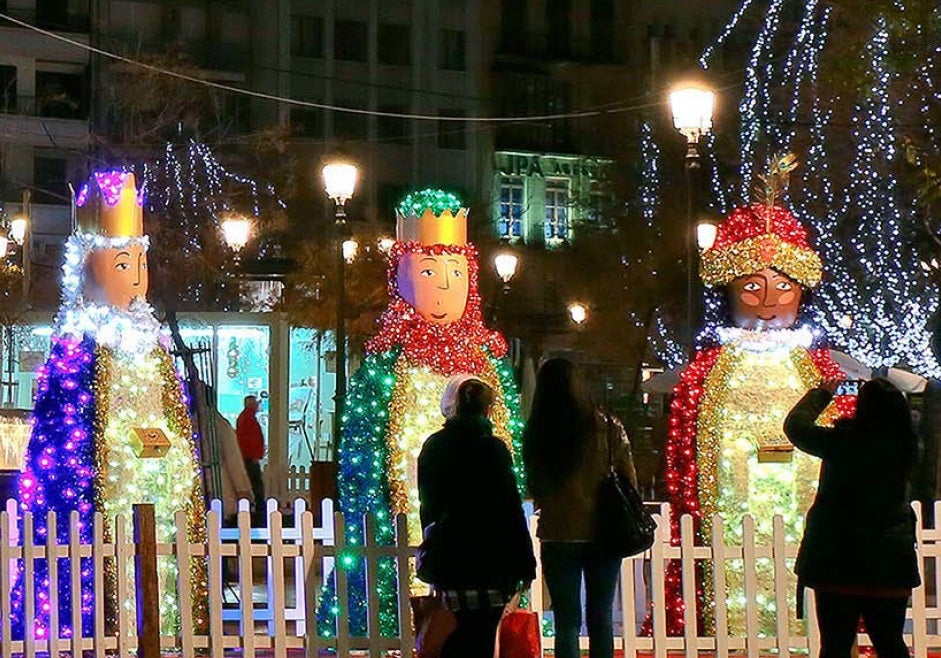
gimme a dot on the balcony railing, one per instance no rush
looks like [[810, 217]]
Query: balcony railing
[[539, 45], [50, 107], [55, 21]]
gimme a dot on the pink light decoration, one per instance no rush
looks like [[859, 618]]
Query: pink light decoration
[[82, 197], [110, 183]]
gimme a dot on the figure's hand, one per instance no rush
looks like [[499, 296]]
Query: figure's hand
[[829, 385]]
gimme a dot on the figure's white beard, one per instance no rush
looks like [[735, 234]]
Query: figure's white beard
[[133, 330], [762, 340]]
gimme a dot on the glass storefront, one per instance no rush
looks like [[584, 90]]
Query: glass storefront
[[242, 368], [311, 385], [235, 355]]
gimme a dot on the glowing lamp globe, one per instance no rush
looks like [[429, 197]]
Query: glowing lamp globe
[[18, 228], [236, 230], [578, 312], [4, 244], [506, 264], [350, 249], [339, 181], [692, 108], [706, 235], [386, 244]]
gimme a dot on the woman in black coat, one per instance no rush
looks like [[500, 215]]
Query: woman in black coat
[[477, 551], [858, 549]]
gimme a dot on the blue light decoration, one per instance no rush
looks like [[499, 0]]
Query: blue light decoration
[[62, 478], [875, 302]]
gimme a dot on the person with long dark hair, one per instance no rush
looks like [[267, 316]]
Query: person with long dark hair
[[567, 448], [476, 549], [858, 548]]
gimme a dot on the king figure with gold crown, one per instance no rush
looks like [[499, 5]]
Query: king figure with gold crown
[[726, 452], [111, 427], [431, 330]]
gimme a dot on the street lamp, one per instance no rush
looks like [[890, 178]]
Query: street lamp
[[236, 231], [706, 235], [385, 244], [506, 263], [692, 107], [18, 228], [578, 313], [350, 249], [339, 182]]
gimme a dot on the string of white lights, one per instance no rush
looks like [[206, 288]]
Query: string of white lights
[[875, 301], [666, 348]]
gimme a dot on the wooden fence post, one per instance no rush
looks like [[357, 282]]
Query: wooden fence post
[[145, 572]]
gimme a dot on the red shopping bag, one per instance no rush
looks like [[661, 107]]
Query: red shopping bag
[[518, 636]]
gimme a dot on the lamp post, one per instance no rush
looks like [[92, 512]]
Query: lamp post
[[505, 263], [339, 181], [692, 107], [22, 236]]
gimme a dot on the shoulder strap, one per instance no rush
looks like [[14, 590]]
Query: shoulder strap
[[609, 429]]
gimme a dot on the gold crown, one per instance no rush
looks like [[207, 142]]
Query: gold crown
[[446, 228], [109, 205]]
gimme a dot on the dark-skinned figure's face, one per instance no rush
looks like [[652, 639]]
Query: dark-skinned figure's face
[[766, 299]]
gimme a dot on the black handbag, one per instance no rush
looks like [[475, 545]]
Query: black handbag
[[623, 526]]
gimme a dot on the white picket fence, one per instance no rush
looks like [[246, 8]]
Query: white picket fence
[[284, 567]]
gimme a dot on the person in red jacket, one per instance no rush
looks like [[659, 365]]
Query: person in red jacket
[[252, 445]]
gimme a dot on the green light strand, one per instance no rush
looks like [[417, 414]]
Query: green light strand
[[415, 203]]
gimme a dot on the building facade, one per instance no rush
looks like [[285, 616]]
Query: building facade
[[402, 57]]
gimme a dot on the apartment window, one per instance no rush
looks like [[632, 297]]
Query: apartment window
[[511, 208], [60, 95], [7, 88], [395, 44], [513, 26], [393, 130], [307, 123], [452, 134], [559, 23], [557, 211], [602, 30], [347, 125], [349, 41], [49, 178], [52, 14], [306, 36], [451, 56]]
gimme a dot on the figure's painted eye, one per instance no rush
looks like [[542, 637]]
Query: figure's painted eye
[[458, 273], [427, 273], [122, 267], [784, 285], [752, 286], [143, 265]]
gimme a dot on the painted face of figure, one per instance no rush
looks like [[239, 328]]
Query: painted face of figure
[[436, 286], [764, 300], [116, 276]]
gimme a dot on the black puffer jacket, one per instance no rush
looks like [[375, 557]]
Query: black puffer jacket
[[860, 531], [467, 489]]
